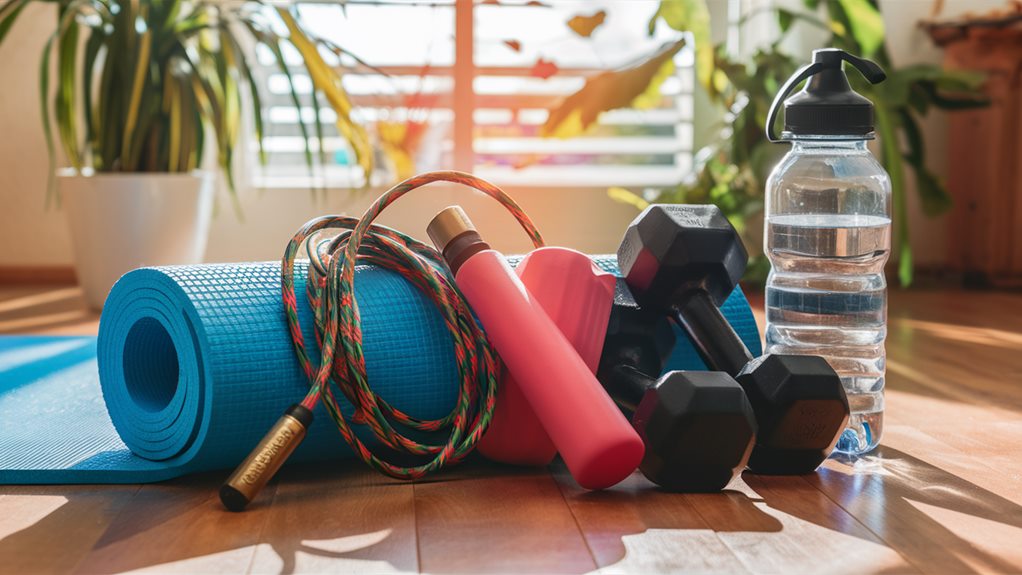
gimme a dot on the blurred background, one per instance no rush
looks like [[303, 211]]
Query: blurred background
[[583, 111]]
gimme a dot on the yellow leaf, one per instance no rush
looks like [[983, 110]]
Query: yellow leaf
[[636, 85], [626, 196], [392, 140], [568, 127], [651, 97], [328, 81]]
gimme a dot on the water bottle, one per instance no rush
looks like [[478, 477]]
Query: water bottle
[[828, 236]]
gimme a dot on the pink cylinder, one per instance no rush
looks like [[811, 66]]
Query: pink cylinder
[[578, 297], [597, 443]]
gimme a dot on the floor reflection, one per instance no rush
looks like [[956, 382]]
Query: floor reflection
[[883, 491]]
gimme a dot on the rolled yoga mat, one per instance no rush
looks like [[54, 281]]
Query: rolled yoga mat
[[195, 364]]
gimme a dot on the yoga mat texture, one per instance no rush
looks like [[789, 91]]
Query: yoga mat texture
[[193, 364]]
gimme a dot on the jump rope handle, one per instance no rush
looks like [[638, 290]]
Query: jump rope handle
[[598, 445], [264, 461]]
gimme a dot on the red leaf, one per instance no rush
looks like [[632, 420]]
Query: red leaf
[[543, 69], [514, 45], [584, 25]]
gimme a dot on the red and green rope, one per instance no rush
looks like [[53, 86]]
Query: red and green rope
[[338, 329]]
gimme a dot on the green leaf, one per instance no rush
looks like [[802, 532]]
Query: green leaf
[[317, 125], [172, 103], [785, 19], [44, 96], [933, 195], [867, 25], [237, 55], [8, 14], [946, 101], [954, 89], [609, 90], [691, 16], [969, 80], [273, 42], [138, 85], [906, 265], [893, 162], [67, 123], [66, 19], [895, 90], [92, 50]]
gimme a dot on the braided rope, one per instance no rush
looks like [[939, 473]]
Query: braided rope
[[331, 294]]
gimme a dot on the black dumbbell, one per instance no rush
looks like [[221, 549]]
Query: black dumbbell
[[685, 261], [698, 427]]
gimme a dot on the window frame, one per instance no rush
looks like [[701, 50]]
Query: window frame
[[463, 73]]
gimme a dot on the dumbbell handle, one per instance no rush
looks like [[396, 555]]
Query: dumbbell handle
[[626, 385], [714, 338]]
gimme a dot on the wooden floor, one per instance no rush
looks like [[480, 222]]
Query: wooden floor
[[942, 495]]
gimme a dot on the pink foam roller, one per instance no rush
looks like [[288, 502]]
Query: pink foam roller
[[578, 297], [595, 440]]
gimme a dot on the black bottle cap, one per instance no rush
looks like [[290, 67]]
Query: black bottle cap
[[827, 106]]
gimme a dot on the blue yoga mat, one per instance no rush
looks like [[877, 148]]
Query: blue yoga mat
[[193, 364]]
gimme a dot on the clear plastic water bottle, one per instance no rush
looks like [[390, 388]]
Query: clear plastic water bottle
[[828, 236]]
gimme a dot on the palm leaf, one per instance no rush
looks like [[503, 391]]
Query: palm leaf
[[66, 19], [328, 82], [9, 14], [156, 74], [138, 85], [273, 42], [93, 46], [237, 56]]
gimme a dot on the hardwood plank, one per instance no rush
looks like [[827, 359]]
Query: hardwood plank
[[990, 435], [338, 518], [909, 494], [635, 527], [488, 518], [969, 374], [46, 310], [50, 528], [180, 527], [37, 275], [802, 530]]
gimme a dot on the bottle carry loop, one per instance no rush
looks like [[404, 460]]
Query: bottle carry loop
[[830, 88]]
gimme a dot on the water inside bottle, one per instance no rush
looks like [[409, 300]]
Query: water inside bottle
[[826, 296]]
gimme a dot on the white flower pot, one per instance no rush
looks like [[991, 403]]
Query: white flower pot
[[120, 222]]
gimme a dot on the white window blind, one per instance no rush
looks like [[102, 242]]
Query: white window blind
[[415, 75]]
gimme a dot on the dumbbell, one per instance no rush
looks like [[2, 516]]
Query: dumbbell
[[684, 261], [698, 427]]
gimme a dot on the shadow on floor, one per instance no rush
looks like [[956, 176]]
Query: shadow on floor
[[346, 513], [887, 491]]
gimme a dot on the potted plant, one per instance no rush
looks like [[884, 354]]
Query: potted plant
[[731, 172], [142, 90]]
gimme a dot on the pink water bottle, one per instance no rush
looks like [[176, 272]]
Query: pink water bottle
[[578, 297], [597, 443]]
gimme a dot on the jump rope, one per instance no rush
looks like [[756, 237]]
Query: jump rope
[[338, 329]]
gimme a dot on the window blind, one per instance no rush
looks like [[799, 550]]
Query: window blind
[[410, 47]]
